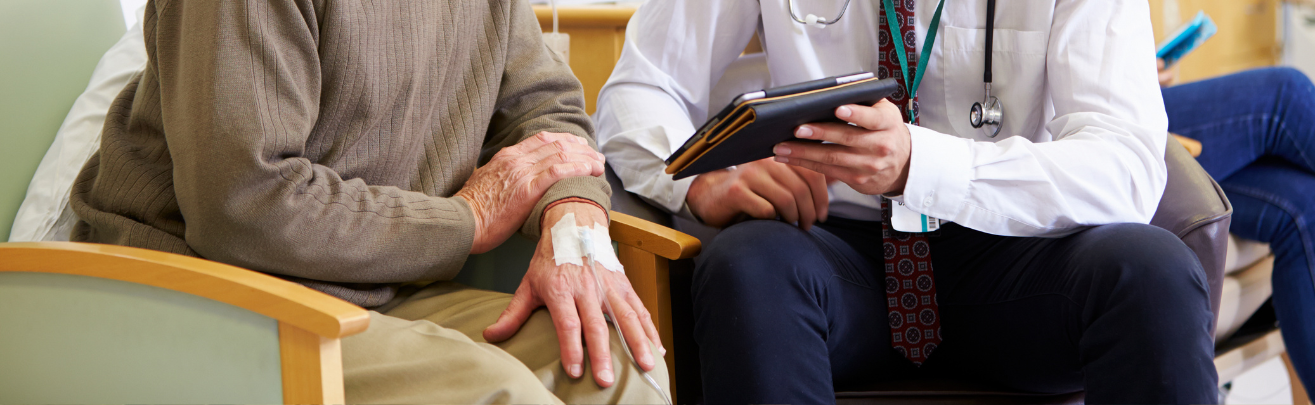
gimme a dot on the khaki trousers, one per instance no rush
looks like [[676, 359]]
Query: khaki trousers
[[430, 349]]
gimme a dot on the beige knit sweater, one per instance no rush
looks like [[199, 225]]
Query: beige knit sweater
[[323, 140]]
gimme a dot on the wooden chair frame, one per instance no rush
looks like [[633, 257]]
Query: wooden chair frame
[[311, 324]]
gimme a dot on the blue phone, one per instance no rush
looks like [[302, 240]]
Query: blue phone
[[1187, 39]]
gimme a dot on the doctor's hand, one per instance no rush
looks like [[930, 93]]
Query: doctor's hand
[[1167, 75], [872, 156], [502, 192], [762, 189], [572, 298]]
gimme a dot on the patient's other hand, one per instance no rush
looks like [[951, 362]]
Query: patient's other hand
[[571, 295], [502, 192], [762, 189]]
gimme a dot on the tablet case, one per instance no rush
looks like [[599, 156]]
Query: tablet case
[[748, 131]]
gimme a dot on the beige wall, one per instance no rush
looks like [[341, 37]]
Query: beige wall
[[1247, 38]]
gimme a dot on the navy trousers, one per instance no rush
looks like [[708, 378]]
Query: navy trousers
[[1121, 311]]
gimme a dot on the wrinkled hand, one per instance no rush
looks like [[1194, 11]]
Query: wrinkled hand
[[761, 189], [572, 298], [871, 156], [1167, 76], [502, 193]]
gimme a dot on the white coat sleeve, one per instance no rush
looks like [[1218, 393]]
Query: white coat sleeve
[[674, 52], [1106, 164]]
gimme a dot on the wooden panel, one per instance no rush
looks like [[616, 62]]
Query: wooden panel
[[597, 34], [312, 367], [1237, 361], [1299, 396], [1193, 146], [273, 297], [1247, 38], [651, 280], [585, 16]]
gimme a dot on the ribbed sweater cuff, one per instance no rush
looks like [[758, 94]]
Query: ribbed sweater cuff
[[594, 189]]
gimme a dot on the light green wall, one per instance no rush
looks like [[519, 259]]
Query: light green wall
[[48, 49], [75, 339]]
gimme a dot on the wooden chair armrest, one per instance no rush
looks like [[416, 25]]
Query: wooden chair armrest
[[1193, 146], [650, 237], [607, 16], [289, 303], [645, 248]]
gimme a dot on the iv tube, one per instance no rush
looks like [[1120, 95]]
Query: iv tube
[[586, 240]]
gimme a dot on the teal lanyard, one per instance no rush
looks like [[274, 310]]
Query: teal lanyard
[[892, 21]]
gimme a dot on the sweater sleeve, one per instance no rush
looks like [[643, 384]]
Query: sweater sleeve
[[539, 93], [239, 84]]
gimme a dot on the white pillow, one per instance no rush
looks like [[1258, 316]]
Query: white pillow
[[45, 214]]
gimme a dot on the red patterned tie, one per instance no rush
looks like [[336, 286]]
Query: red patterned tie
[[915, 326]]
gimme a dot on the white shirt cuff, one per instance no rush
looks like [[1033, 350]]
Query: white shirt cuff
[[940, 169]]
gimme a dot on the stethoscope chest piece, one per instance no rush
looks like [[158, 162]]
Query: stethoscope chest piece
[[989, 115], [989, 112]]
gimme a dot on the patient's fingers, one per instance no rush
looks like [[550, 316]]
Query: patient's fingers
[[647, 321], [543, 138], [566, 320], [628, 322], [550, 173], [595, 333], [547, 157], [563, 151], [521, 306]]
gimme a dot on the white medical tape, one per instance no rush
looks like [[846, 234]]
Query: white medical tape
[[569, 244]]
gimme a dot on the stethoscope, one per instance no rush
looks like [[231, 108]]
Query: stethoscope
[[991, 115], [987, 113]]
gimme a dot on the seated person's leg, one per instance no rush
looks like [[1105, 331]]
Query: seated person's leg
[[781, 313], [397, 361], [468, 311], [1240, 117], [1273, 203], [1121, 311]]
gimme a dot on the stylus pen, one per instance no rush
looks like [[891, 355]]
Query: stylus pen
[[805, 86]]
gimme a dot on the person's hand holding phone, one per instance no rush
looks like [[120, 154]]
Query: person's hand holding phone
[[1168, 74]]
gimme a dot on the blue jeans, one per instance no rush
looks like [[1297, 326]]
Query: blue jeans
[[1257, 129], [787, 316]]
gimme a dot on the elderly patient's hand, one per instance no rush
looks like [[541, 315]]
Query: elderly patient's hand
[[572, 299], [872, 156], [502, 193]]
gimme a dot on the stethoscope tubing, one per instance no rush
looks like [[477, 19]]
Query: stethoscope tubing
[[990, 112], [800, 20]]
